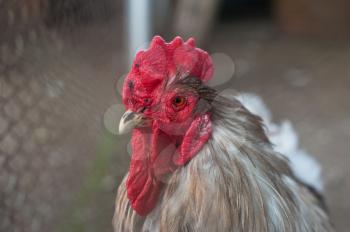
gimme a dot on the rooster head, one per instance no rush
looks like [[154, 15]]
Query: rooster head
[[167, 110]]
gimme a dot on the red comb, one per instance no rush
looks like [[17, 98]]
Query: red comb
[[165, 60]]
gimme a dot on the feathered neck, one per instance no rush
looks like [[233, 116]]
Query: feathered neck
[[235, 183], [255, 174]]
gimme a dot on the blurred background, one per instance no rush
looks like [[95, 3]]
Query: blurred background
[[62, 63]]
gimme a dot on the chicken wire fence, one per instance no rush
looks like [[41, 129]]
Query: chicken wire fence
[[28, 131], [39, 165], [26, 135]]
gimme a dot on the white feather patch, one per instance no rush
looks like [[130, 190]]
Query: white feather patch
[[285, 140]]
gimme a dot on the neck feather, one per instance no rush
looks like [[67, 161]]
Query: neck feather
[[236, 182]]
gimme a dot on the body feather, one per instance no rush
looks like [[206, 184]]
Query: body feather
[[237, 182]]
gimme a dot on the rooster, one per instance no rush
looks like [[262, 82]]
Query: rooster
[[201, 161]]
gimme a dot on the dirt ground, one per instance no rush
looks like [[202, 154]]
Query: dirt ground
[[304, 80]]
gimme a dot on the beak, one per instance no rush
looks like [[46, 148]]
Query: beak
[[129, 121]]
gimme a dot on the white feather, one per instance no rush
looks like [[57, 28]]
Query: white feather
[[255, 105], [285, 140]]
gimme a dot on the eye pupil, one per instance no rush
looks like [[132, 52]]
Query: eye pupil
[[178, 101]]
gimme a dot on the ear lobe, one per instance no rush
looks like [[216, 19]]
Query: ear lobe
[[195, 138]]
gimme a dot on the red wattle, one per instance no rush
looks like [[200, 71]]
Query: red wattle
[[155, 155], [196, 136], [151, 161]]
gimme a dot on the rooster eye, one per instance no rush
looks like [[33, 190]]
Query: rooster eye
[[179, 101]]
